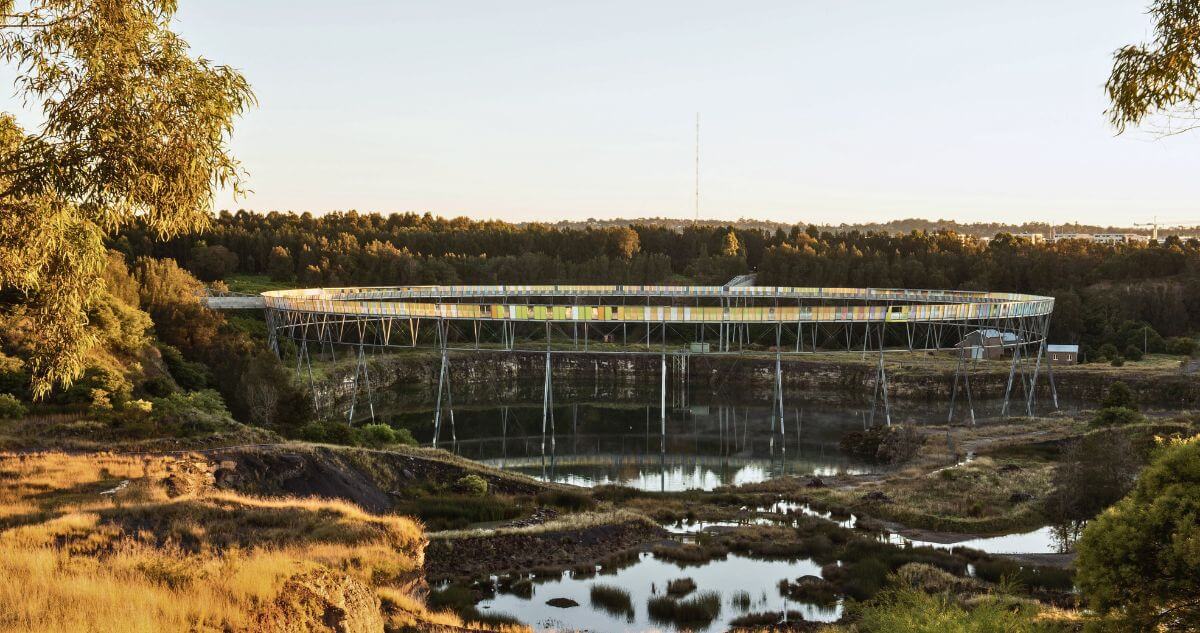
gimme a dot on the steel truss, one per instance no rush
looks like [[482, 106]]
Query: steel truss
[[750, 324]]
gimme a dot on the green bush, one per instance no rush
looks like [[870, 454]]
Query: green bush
[[377, 435], [10, 407], [1108, 351], [1119, 395], [191, 413], [1133, 353], [1118, 361], [1181, 345], [1139, 558], [472, 485], [328, 432], [914, 611], [1109, 416]]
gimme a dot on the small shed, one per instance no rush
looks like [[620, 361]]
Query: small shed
[[988, 343], [1063, 354]]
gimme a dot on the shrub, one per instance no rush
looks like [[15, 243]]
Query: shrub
[[882, 444], [1119, 395], [1181, 346], [1109, 416], [405, 437], [1108, 351], [1139, 557], [997, 570], [10, 407], [1133, 353], [1118, 361], [328, 432], [698, 611], [195, 412], [377, 435], [566, 499], [914, 611], [472, 485]]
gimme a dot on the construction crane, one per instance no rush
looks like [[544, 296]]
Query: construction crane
[[1168, 225]]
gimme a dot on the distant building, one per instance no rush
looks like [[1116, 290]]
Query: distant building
[[988, 344], [1033, 238], [1103, 238], [1120, 238], [1063, 354], [1087, 237]]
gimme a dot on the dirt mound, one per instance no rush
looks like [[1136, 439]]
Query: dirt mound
[[323, 600], [371, 479]]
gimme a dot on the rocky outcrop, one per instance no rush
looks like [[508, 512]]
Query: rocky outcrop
[[411, 380], [322, 600]]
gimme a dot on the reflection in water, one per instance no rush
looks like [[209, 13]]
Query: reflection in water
[[704, 446], [1049, 539], [647, 577]]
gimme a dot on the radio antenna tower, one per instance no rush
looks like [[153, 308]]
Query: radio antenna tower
[[697, 168]]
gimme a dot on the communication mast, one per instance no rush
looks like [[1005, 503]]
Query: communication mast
[[697, 167]]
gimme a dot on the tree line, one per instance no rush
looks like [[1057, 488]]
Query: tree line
[[1108, 296]]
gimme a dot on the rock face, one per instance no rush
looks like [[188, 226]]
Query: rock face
[[322, 600]]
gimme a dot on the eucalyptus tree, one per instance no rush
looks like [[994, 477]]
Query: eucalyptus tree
[[130, 125], [1160, 77]]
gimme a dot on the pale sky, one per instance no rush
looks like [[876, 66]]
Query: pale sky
[[830, 111]]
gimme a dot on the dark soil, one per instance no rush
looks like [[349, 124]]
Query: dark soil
[[472, 556], [375, 480]]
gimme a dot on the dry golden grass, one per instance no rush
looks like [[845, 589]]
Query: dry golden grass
[[73, 559]]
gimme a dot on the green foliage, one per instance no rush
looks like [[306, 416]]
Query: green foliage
[[572, 500], [279, 265], [882, 444], [143, 135], [377, 435], [914, 611], [1119, 395], [472, 485], [1133, 353], [188, 375], [1116, 416], [328, 432], [10, 407], [1139, 558], [191, 413], [342, 248], [253, 382], [1163, 76], [1181, 345], [1000, 570], [449, 512], [211, 263]]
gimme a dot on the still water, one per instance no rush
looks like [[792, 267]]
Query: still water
[[731, 578], [705, 445]]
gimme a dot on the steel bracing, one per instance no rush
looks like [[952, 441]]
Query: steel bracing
[[674, 321]]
